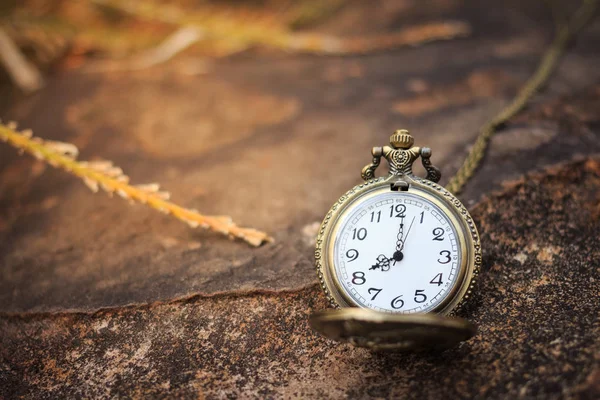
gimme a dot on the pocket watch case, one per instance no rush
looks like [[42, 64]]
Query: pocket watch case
[[421, 322]]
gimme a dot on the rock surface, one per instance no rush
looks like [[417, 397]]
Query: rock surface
[[536, 308], [272, 140], [102, 299]]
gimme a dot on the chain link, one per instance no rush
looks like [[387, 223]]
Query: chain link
[[546, 67]]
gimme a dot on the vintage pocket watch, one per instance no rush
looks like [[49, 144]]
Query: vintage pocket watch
[[397, 257]]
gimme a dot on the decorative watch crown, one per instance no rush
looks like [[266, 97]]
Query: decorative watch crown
[[401, 139], [400, 157]]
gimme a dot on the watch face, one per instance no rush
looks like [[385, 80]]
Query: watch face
[[397, 252]]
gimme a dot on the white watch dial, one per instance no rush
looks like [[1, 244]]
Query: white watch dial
[[397, 252]]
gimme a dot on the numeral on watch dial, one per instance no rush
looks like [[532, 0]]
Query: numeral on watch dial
[[358, 278], [437, 280], [446, 257], [420, 297], [352, 255], [360, 234], [397, 303], [376, 291]]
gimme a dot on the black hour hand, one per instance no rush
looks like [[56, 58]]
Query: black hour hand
[[383, 263]]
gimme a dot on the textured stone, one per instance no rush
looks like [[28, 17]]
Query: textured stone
[[536, 308], [102, 299], [271, 139]]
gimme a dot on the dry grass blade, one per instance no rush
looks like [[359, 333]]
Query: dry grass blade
[[104, 175]]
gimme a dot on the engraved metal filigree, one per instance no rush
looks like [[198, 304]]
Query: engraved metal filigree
[[401, 156]]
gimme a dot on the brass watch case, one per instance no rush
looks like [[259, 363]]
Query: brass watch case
[[467, 235], [397, 332], [435, 329]]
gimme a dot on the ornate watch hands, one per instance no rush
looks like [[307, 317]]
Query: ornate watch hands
[[406, 237], [383, 263], [398, 255], [400, 238]]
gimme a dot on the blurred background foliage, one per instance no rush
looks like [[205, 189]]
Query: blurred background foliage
[[147, 32]]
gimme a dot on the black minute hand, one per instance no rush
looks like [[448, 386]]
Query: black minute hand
[[400, 241], [398, 256]]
